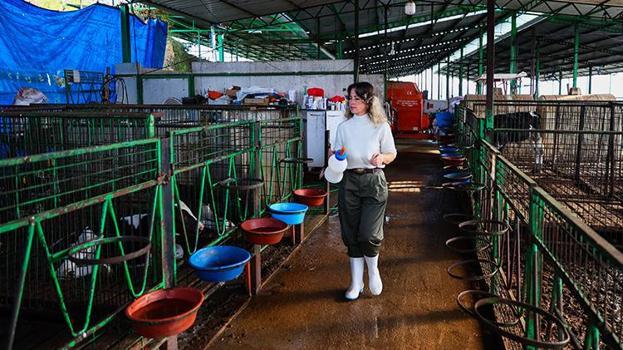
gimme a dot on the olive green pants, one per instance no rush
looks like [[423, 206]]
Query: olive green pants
[[361, 202]]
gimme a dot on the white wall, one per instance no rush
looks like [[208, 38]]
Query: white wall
[[294, 75], [333, 84]]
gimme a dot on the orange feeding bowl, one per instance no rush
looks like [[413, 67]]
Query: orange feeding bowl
[[312, 197], [264, 230], [166, 312]]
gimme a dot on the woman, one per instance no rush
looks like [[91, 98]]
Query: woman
[[369, 145]]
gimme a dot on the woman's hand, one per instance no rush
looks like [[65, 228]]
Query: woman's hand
[[377, 159]]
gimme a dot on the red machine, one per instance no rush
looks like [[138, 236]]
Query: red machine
[[407, 107]]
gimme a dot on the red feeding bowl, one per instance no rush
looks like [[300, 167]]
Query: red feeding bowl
[[264, 230], [312, 197], [166, 312]]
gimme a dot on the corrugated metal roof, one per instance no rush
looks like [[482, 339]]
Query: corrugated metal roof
[[438, 28], [599, 48]]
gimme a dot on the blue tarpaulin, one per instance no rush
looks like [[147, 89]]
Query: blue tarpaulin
[[37, 45]]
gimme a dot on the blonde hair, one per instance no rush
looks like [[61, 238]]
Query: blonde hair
[[375, 109]]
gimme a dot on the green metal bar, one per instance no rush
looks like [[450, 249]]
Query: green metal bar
[[537, 69], [339, 50], [49, 214], [17, 304], [191, 86], [461, 75], [41, 157], [227, 74], [221, 51], [490, 99], [591, 341], [534, 277], [481, 63], [125, 34], [513, 52], [356, 43], [200, 210], [576, 54], [557, 300], [448, 81], [139, 88], [439, 81]]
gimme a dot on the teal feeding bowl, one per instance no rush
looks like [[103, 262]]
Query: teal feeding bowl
[[219, 263], [290, 213]]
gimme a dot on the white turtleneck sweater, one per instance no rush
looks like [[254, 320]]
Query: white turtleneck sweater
[[362, 139]]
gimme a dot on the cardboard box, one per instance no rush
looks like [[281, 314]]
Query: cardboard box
[[256, 101]]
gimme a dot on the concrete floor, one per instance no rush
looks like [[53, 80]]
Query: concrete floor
[[303, 306]]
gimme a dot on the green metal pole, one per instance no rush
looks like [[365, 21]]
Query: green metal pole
[[590, 80], [513, 58], [356, 60], [576, 55], [448, 81], [537, 69], [17, 303], [432, 84], [199, 45], [533, 275], [340, 49], [125, 34], [439, 81], [560, 82], [461, 75], [481, 59], [221, 50], [490, 67], [467, 80]]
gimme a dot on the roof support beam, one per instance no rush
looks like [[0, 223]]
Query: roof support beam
[[490, 65], [576, 54]]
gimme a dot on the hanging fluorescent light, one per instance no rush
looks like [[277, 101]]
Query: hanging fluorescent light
[[410, 8]]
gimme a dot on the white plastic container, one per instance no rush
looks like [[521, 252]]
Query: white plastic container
[[337, 164]]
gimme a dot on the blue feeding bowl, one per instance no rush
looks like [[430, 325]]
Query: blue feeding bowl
[[449, 149], [451, 154], [290, 213], [219, 263], [461, 177]]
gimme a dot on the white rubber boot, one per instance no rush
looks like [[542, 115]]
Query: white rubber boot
[[374, 276], [356, 279]]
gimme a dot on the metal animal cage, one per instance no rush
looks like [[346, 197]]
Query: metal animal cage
[[32, 132], [54, 203], [63, 195], [549, 259], [574, 151]]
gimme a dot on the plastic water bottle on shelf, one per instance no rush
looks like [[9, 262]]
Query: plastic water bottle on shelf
[[337, 164]]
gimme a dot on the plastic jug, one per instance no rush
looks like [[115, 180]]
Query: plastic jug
[[337, 164]]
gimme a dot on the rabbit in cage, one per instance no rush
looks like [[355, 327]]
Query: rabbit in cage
[[69, 269]]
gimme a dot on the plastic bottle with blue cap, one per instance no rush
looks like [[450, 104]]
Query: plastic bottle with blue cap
[[337, 164]]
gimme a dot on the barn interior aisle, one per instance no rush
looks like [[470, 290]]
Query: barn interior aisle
[[303, 307]]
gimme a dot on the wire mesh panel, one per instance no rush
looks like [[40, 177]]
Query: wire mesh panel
[[26, 133], [190, 115], [573, 150], [551, 259], [213, 170], [583, 272], [280, 158], [80, 230]]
